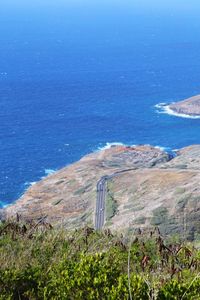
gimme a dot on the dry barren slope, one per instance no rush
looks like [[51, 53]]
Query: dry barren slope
[[190, 106], [159, 191]]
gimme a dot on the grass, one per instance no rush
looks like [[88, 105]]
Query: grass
[[141, 220], [40, 262], [160, 215], [57, 202], [182, 201], [179, 190], [111, 204], [82, 190]]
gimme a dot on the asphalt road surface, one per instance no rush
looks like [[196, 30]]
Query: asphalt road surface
[[100, 203], [101, 197]]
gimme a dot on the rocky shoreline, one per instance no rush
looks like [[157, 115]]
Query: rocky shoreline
[[159, 191], [190, 106]]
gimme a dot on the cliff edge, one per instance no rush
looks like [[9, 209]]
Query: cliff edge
[[158, 191], [190, 106]]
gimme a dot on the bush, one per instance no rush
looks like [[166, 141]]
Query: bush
[[178, 291], [88, 265], [21, 284]]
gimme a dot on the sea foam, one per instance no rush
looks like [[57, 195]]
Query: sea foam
[[163, 108], [28, 183], [109, 145], [49, 171]]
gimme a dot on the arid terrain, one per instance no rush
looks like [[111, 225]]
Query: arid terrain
[[190, 106], [159, 191]]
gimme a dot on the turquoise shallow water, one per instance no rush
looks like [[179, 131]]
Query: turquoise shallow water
[[76, 76]]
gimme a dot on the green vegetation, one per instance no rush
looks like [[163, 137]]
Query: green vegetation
[[57, 202], [111, 204], [182, 202], [39, 262], [160, 215], [82, 190], [180, 190], [182, 166], [140, 220]]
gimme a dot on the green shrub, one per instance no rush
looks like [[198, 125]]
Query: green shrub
[[87, 265], [21, 284], [111, 203], [180, 291]]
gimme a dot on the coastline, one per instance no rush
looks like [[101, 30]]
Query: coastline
[[188, 108], [172, 109], [155, 183], [163, 108], [109, 145]]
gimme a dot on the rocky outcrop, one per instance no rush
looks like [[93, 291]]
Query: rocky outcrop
[[157, 191], [190, 106]]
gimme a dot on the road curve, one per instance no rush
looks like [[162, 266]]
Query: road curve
[[101, 197]]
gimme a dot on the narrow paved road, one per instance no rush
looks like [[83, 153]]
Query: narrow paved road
[[100, 203], [101, 197]]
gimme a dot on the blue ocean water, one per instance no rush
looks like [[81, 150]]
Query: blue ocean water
[[76, 75]]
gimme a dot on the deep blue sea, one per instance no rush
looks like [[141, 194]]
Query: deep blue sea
[[76, 75]]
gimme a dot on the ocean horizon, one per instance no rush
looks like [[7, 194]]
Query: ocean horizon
[[77, 77]]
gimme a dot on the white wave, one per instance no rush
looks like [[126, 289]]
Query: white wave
[[160, 105], [49, 171], [163, 108], [3, 205], [28, 183], [109, 145], [165, 149]]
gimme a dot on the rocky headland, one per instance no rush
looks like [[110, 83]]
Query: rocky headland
[[158, 191], [190, 106]]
